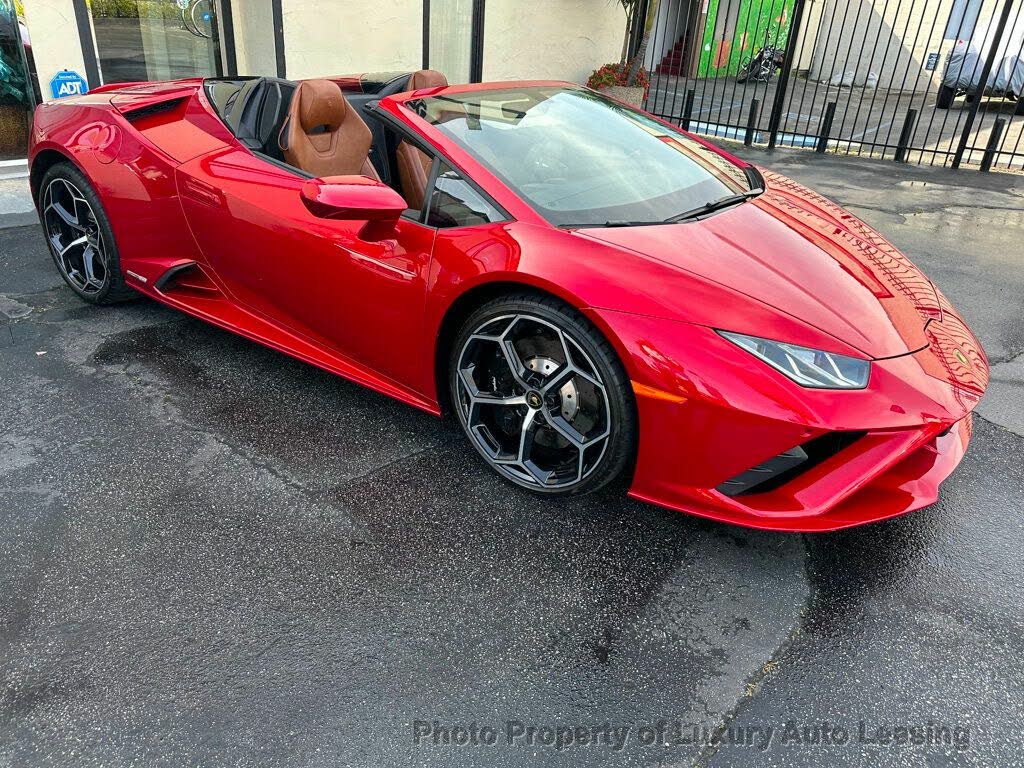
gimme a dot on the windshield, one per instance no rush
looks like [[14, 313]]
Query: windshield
[[580, 159]]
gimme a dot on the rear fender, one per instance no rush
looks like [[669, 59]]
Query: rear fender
[[134, 179]]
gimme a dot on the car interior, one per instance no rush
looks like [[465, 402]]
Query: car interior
[[326, 127]]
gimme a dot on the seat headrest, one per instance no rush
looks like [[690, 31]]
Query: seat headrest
[[426, 78], [320, 104]]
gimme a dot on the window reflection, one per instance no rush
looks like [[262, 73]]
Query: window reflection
[[155, 40], [450, 21], [16, 87], [454, 203]]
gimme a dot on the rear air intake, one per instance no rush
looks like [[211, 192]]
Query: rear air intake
[[160, 107], [779, 470]]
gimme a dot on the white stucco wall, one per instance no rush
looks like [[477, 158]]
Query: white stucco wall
[[55, 41], [332, 38], [891, 40], [555, 39], [254, 37], [551, 39]]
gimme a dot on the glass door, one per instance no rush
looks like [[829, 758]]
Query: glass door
[[156, 39], [450, 38], [16, 92]]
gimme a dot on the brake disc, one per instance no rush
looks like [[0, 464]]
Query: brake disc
[[569, 397]]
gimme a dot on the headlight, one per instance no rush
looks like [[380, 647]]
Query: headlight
[[807, 367]]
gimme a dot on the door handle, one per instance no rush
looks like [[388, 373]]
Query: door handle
[[201, 192], [379, 264]]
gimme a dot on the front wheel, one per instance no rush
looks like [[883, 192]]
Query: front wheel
[[542, 396]]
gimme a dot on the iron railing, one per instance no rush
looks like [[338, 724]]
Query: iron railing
[[939, 82]]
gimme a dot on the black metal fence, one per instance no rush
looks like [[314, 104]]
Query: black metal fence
[[926, 81]]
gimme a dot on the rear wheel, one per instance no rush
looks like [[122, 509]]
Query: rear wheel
[[744, 73], [79, 235], [1019, 109], [542, 396], [945, 97]]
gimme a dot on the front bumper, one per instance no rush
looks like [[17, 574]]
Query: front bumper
[[883, 475], [709, 411]]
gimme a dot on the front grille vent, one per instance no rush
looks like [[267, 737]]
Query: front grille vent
[[779, 470]]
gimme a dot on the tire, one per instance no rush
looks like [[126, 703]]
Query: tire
[[1019, 109], [79, 236], [944, 98], [570, 390], [744, 73]]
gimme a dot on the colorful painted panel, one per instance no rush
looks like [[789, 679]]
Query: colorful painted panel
[[736, 29]]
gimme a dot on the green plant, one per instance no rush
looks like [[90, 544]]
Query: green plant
[[636, 65], [13, 85], [630, 72], [629, 6]]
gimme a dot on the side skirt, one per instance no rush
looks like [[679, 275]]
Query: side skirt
[[185, 287]]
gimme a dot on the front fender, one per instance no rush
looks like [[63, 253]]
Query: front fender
[[588, 274]]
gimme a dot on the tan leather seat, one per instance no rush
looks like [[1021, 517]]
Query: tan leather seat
[[323, 135], [414, 165]]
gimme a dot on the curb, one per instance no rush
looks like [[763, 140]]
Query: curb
[[20, 219]]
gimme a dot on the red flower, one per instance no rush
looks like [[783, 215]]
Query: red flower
[[618, 74]]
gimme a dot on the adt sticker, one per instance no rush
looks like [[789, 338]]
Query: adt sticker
[[68, 83]]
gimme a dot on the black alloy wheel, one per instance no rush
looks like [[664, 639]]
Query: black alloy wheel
[[79, 236], [542, 396]]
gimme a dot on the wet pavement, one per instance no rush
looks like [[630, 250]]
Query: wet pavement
[[213, 554]]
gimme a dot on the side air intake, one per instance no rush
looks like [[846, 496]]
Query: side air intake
[[780, 469]]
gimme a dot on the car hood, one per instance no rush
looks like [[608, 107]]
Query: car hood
[[803, 255]]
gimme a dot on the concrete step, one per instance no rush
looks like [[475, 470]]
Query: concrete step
[[15, 199], [13, 169]]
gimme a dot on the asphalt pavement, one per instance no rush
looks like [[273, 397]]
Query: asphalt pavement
[[211, 554]]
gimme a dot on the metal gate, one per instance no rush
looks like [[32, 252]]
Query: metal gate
[[939, 82]]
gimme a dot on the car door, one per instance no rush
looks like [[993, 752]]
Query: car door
[[318, 277]]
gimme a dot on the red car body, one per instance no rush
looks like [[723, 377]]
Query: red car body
[[789, 265]]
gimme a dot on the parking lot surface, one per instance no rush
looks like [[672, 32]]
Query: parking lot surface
[[213, 554]]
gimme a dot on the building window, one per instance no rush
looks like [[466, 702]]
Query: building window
[[16, 87], [453, 42], [152, 40]]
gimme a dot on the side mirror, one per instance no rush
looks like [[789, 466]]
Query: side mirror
[[354, 198]]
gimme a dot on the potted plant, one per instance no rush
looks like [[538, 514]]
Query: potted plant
[[627, 79]]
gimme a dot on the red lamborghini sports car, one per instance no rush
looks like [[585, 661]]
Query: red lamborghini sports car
[[594, 294]]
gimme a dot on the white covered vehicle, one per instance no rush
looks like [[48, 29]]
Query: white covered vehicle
[[967, 62]]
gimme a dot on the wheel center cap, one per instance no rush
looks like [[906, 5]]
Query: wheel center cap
[[534, 399]]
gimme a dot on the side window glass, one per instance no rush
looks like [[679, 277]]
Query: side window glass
[[454, 203], [400, 166]]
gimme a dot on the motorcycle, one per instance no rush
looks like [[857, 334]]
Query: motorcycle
[[763, 65]]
